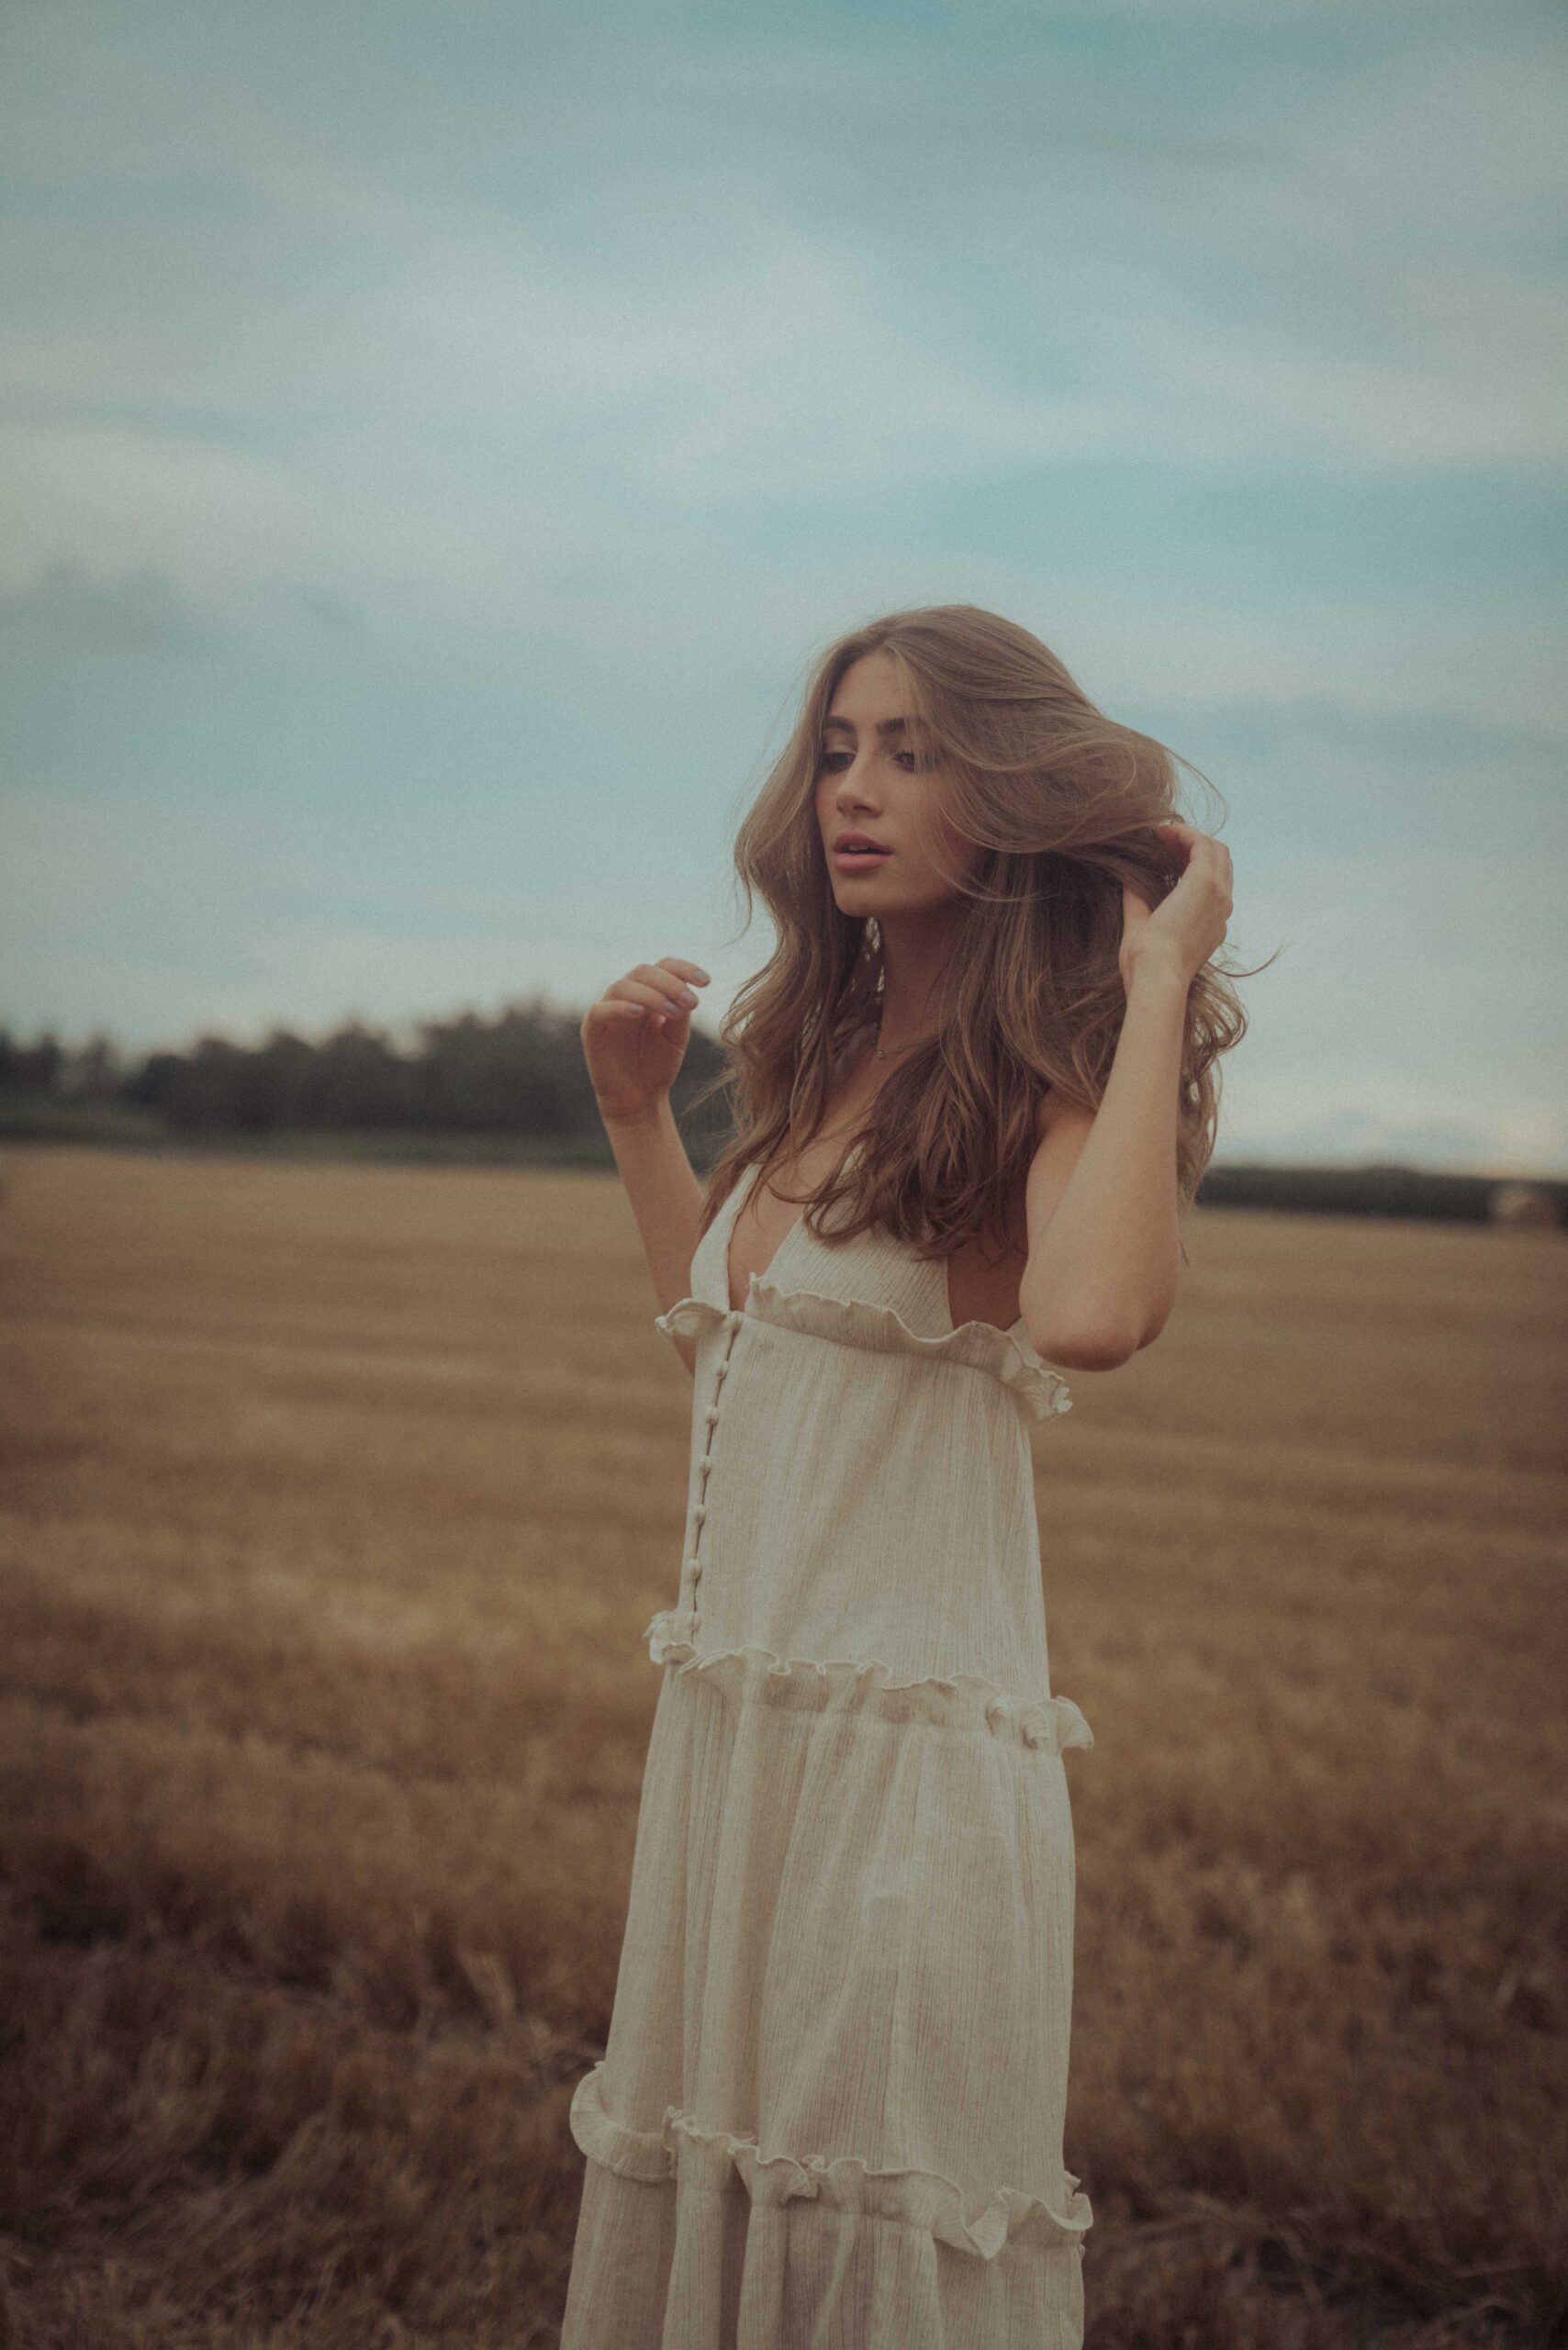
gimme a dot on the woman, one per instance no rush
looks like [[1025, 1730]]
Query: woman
[[973, 1091]]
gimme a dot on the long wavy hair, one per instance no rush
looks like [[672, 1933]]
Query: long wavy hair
[[1064, 800]]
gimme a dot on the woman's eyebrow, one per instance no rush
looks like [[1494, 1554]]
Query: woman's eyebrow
[[887, 725]]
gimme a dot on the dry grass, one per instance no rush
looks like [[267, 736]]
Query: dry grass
[[336, 1501]]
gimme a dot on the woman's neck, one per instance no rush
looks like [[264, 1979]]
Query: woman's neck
[[915, 950]]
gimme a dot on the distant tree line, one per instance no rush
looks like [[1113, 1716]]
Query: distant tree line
[[521, 1072], [521, 1075]]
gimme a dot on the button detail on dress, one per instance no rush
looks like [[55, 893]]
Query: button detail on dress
[[699, 1512], [712, 1416]]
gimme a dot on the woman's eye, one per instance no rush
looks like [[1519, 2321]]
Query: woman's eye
[[831, 758]]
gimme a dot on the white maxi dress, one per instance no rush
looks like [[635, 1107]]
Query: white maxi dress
[[829, 2114]]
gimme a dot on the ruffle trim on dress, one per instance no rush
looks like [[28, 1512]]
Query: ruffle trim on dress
[[853, 1321], [846, 1686], [919, 2199]]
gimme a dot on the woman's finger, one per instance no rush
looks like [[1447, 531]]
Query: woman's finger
[[659, 1000], [673, 992]]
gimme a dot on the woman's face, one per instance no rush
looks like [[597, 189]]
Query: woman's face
[[868, 784]]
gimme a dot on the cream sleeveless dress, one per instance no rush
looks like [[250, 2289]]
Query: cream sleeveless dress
[[829, 2115]]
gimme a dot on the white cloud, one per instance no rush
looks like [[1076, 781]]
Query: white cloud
[[768, 355]]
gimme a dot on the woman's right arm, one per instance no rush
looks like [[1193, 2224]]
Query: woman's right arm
[[635, 1040]]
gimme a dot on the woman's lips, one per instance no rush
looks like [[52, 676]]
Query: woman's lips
[[859, 860]]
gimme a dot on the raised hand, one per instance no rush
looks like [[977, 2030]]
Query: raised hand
[[1189, 926], [634, 1038]]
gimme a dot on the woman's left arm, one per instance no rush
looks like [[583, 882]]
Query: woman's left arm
[[1101, 1201]]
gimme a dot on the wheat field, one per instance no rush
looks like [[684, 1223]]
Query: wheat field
[[336, 1499]]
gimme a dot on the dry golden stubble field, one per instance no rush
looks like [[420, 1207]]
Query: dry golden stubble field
[[336, 1499]]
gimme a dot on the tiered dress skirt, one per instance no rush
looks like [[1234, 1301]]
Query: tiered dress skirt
[[830, 2112]]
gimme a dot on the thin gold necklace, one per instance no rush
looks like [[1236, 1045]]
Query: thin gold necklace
[[894, 1048]]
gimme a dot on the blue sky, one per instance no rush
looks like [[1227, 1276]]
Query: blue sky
[[436, 437]]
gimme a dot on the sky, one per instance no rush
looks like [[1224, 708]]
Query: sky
[[436, 437]]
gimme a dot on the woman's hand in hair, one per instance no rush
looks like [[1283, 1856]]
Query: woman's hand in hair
[[634, 1038], [1188, 925]]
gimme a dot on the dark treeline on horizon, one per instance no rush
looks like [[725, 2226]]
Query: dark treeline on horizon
[[519, 1072], [516, 1081]]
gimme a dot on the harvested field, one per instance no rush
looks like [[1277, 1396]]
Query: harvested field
[[336, 1499]]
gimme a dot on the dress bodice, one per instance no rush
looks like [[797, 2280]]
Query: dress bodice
[[861, 1476]]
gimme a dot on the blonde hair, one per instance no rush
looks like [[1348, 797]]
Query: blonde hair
[[1065, 800]]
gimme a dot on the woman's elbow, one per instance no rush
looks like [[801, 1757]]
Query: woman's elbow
[[1088, 1346], [1097, 1341]]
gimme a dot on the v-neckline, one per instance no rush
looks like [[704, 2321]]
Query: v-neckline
[[743, 1192], [746, 1185]]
